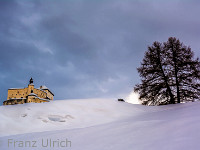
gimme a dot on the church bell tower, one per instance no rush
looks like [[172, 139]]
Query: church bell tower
[[31, 81], [30, 86]]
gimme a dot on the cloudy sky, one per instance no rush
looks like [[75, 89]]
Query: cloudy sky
[[87, 48]]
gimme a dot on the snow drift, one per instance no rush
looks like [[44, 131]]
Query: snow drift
[[107, 124]]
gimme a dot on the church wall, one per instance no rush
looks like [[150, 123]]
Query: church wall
[[49, 94], [33, 99], [17, 93], [23, 93], [30, 99], [40, 93], [37, 100]]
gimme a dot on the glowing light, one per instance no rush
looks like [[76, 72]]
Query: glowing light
[[133, 98]]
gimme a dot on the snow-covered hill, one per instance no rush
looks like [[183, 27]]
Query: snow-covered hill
[[100, 124]]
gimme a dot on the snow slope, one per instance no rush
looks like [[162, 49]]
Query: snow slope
[[102, 124]]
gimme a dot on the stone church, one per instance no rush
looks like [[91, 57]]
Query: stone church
[[29, 94]]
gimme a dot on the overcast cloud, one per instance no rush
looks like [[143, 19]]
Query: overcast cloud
[[85, 48]]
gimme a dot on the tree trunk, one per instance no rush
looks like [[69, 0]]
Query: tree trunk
[[172, 100], [176, 74]]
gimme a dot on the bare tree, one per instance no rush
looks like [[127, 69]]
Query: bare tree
[[169, 73]]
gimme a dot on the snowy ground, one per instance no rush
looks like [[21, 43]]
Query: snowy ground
[[100, 124]]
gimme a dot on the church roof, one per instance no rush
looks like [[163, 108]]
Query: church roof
[[32, 94], [15, 88], [43, 87]]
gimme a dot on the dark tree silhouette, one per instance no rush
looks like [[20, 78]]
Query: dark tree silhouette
[[169, 73]]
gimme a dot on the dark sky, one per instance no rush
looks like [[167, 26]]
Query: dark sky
[[87, 48]]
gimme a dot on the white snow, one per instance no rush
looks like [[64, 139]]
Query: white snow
[[101, 124], [32, 94], [43, 87]]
